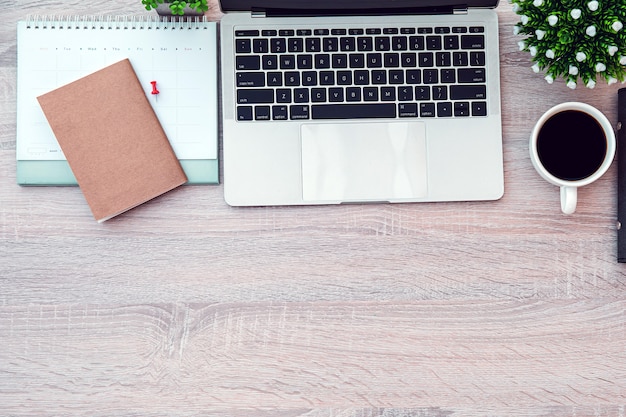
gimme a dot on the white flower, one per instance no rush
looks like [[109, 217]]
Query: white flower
[[573, 70], [533, 51], [552, 20], [550, 54], [521, 45], [593, 5], [549, 79], [576, 13], [600, 67], [516, 7], [571, 84], [611, 80], [591, 84], [537, 3], [524, 20], [516, 30], [617, 26], [580, 56], [535, 68], [613, 50], [591, 31], [540, 34], [622, 60]]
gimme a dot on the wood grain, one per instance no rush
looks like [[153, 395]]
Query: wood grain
[[185, 306]]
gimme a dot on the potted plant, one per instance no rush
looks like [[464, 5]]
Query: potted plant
[[177, 7], [580, 41]]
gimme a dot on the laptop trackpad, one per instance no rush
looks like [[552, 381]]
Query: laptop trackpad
[[377, 161]]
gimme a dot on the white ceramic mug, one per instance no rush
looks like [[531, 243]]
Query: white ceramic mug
[[569, 194]]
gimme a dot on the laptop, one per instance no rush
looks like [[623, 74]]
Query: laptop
[[360, 101]]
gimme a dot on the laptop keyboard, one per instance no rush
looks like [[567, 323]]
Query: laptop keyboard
[[355, 73]]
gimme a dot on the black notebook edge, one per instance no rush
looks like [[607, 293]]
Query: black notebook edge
[[621, 175]]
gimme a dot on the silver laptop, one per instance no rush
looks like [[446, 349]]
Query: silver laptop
[[347, 101]]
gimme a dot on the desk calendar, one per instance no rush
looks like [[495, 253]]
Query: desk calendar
[[175, 61]]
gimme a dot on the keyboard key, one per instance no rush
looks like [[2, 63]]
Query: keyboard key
[[244, 112], [301, 95], [305, 61], [422, 93], [347, 44], [335, 94], [405, 94], [444, 109], [278, 45], [477, 58], [408, 59], [274, 79], [473, 42], [370, 94], [461, 109], [357, 61], [270, 62], [262, 113], [471, 75], [382, 43], [427, 110], [451, 42], [479, 108], [416, 43], [339, 60], [295, 45], [353, 94], [407, 110], [433, 43], [292, 78], [318, 95], [313, 45], [413, 76], [248, 62], [299, 112], [426, 59], [353, 111], [399, 43], [440, 92], [287, 62], [364, 43], [250, 79], [468, 92], [246, 33], [379, 77], [361, 77], [327, 78], [430, 76], [330, 44], [344, 77], [250, 96], [322, 61], [243, 46], [374, 60], [283, 95], [260, 46], [309, 78], [388, 94]]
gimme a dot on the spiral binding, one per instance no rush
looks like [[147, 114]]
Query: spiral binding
[[142, 22]]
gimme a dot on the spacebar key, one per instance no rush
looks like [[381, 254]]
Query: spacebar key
[[353, 111]]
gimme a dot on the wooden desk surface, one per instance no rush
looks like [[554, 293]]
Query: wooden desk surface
[[186, 306]]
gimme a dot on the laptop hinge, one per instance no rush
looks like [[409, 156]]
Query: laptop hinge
[[358, 12]]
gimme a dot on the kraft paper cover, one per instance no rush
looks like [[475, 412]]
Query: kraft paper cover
[[112, 140]]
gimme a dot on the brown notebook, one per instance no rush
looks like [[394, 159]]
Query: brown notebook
[[112, 140]]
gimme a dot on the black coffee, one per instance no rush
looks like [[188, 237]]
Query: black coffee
[[571, 145]]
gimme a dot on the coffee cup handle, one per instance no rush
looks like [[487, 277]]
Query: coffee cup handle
[[569, 197]]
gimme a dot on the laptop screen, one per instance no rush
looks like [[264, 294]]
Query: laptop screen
[[345, 5]]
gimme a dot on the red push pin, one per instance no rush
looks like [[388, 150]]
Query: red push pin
[[154, 89]]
